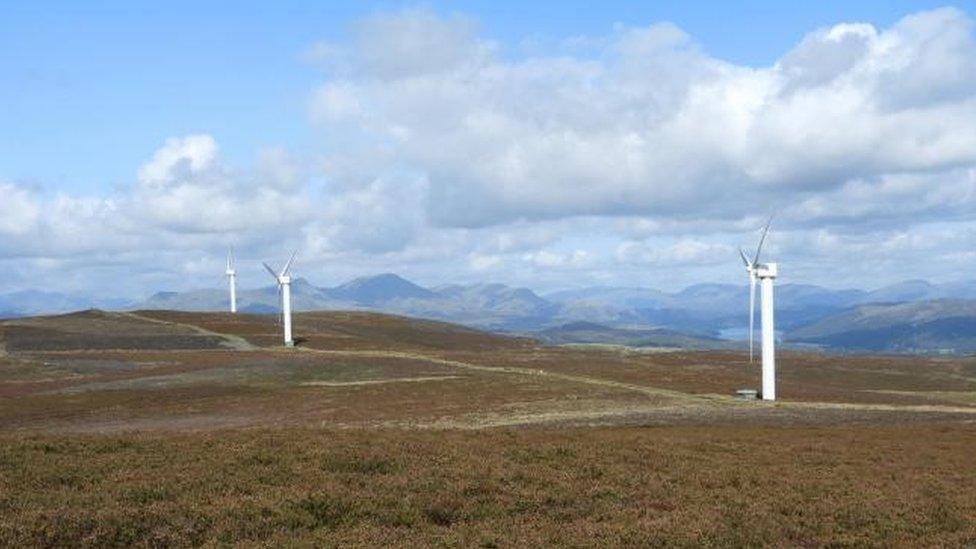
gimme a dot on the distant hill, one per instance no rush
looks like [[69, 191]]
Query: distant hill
[[910, 290], [920, 290], [495, 306], [590, 332], [305, 297], [608, 295], [193, 300], [942, 325], [373, 290]]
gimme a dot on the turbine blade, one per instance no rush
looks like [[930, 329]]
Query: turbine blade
[[230, 258], [761, 240], [288, 265], [270, 270], [745, 259]]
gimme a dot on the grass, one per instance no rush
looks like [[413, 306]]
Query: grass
[[685, 486]]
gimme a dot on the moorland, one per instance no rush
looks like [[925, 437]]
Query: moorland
[[160, 427]]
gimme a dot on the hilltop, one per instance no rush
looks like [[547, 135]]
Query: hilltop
[[188, 428], [198, 366]]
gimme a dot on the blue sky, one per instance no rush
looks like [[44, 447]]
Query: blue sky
[[543, 144]]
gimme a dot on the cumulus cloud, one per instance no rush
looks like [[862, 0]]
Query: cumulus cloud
[[185, 189], [416, 42], [553, 260], [182, 197], [682, 252], [382, 216], [894, 200], [177, 159], [19, 210], [651, 125]]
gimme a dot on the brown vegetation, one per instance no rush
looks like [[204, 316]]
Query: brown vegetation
[[630, 486], [161, 428]]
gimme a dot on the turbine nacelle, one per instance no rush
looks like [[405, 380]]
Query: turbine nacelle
[[765, 270]]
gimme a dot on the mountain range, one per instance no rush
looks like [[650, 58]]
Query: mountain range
[[911, 316]]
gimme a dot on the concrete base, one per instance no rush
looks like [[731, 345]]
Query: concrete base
[[747, 394], [289, 344]]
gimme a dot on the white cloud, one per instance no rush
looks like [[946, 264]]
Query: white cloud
[[416, 42], [893, 200], [553, 260], [19, 210], [179, 158], [382, 216], [479, 262], [185, 189], [278, 169], [653, 126], [336, 102], [683, 252], [183, 197]]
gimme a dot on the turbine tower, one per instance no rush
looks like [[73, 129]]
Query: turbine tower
[[284, 295], [232, 280], [765, 273]]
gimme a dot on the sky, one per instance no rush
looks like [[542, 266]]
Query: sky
[[550, 145]]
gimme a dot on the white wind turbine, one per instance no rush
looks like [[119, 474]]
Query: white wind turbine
[[765, 273], [231, 280], [284, 295]]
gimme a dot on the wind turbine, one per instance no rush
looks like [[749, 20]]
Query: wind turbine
[[284, 294], [765, 273], [232, 280]]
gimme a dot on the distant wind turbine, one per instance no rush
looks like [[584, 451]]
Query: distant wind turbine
[[232, 280], [765, 273], [284, 295]]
